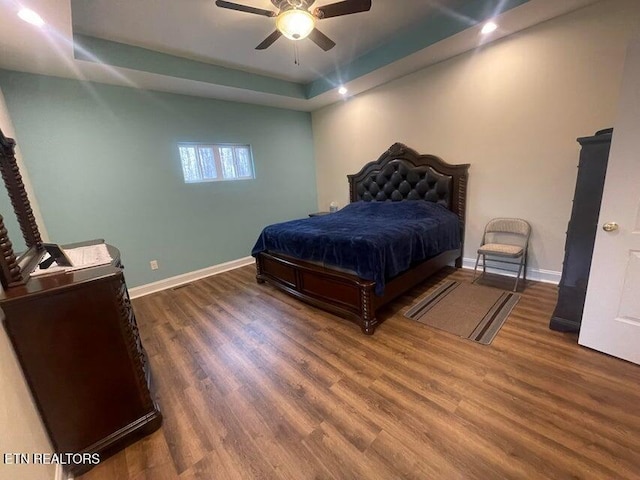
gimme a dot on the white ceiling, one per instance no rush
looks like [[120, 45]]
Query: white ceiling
[[198, 30]]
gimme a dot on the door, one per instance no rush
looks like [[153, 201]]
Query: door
[[611, 318]]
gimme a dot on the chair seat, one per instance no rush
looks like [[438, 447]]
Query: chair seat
[[500, 249]]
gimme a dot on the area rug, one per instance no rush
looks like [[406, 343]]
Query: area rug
[[471, 311]]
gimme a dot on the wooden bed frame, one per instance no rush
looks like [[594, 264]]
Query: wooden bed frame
[[399, 174]]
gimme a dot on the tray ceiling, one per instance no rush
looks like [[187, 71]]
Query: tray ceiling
[[194, 47]]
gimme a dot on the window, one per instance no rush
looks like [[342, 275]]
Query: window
[[210, 163]]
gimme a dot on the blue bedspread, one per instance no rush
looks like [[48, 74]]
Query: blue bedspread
[[376, 240]]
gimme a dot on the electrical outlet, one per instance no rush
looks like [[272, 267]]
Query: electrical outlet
[[154, 264]]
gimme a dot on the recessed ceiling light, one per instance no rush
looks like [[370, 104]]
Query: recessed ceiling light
[[31, 17], [342, 90], [488, 27]]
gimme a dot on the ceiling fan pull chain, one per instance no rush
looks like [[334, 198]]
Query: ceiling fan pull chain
[[296, 56]]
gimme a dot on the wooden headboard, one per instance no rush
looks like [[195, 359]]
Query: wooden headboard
[[401, 173]]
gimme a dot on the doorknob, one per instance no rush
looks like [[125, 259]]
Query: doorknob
[[610, 226]]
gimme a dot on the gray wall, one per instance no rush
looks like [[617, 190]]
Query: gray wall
[[512, 109]]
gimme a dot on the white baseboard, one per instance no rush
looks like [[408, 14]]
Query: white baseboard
[[178, 280], [538, 275]]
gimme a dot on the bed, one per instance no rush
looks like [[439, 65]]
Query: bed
[[405, 222]]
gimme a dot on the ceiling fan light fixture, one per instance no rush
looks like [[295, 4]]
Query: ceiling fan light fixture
[[295, 23]]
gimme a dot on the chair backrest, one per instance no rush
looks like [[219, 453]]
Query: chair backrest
[[512, 231]]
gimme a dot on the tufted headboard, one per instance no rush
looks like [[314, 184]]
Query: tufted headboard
[[401, 173]]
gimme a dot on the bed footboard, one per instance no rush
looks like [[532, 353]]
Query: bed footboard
[[338, 292], [342, 293]]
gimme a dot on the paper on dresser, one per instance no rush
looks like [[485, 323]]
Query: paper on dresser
[[89, 256]]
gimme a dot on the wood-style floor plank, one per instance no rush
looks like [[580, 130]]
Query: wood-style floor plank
[[255, 384]]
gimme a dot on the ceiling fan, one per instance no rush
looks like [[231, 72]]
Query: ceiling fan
[[295, 21]]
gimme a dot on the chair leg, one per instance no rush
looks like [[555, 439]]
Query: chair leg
[[475, 268], [484, 264], [515, 288]]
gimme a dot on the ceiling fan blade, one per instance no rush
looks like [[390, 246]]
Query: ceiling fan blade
[[267, 42], [244, 8], [346, 7], [320, 39]]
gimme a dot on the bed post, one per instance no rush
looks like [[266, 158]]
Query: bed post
[[462, 210], [259, 278], [369, 321]]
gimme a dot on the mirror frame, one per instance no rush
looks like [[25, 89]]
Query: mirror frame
[[15, 271]]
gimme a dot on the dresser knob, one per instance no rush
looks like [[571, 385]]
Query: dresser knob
[[610, 226]]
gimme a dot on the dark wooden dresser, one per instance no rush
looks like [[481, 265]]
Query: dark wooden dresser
[[581, 231], [76, 338], [77, 342]]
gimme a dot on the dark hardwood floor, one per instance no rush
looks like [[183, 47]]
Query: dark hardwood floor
[[256, 385]]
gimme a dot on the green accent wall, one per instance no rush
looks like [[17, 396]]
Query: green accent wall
[[91, 49], [104, 163]]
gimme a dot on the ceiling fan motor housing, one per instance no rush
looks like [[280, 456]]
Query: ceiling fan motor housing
[[283, 5]]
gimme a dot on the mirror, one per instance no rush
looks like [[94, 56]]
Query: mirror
[[11, 224]]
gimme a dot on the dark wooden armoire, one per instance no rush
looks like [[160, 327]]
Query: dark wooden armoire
[[581, 231], [77, 342]]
